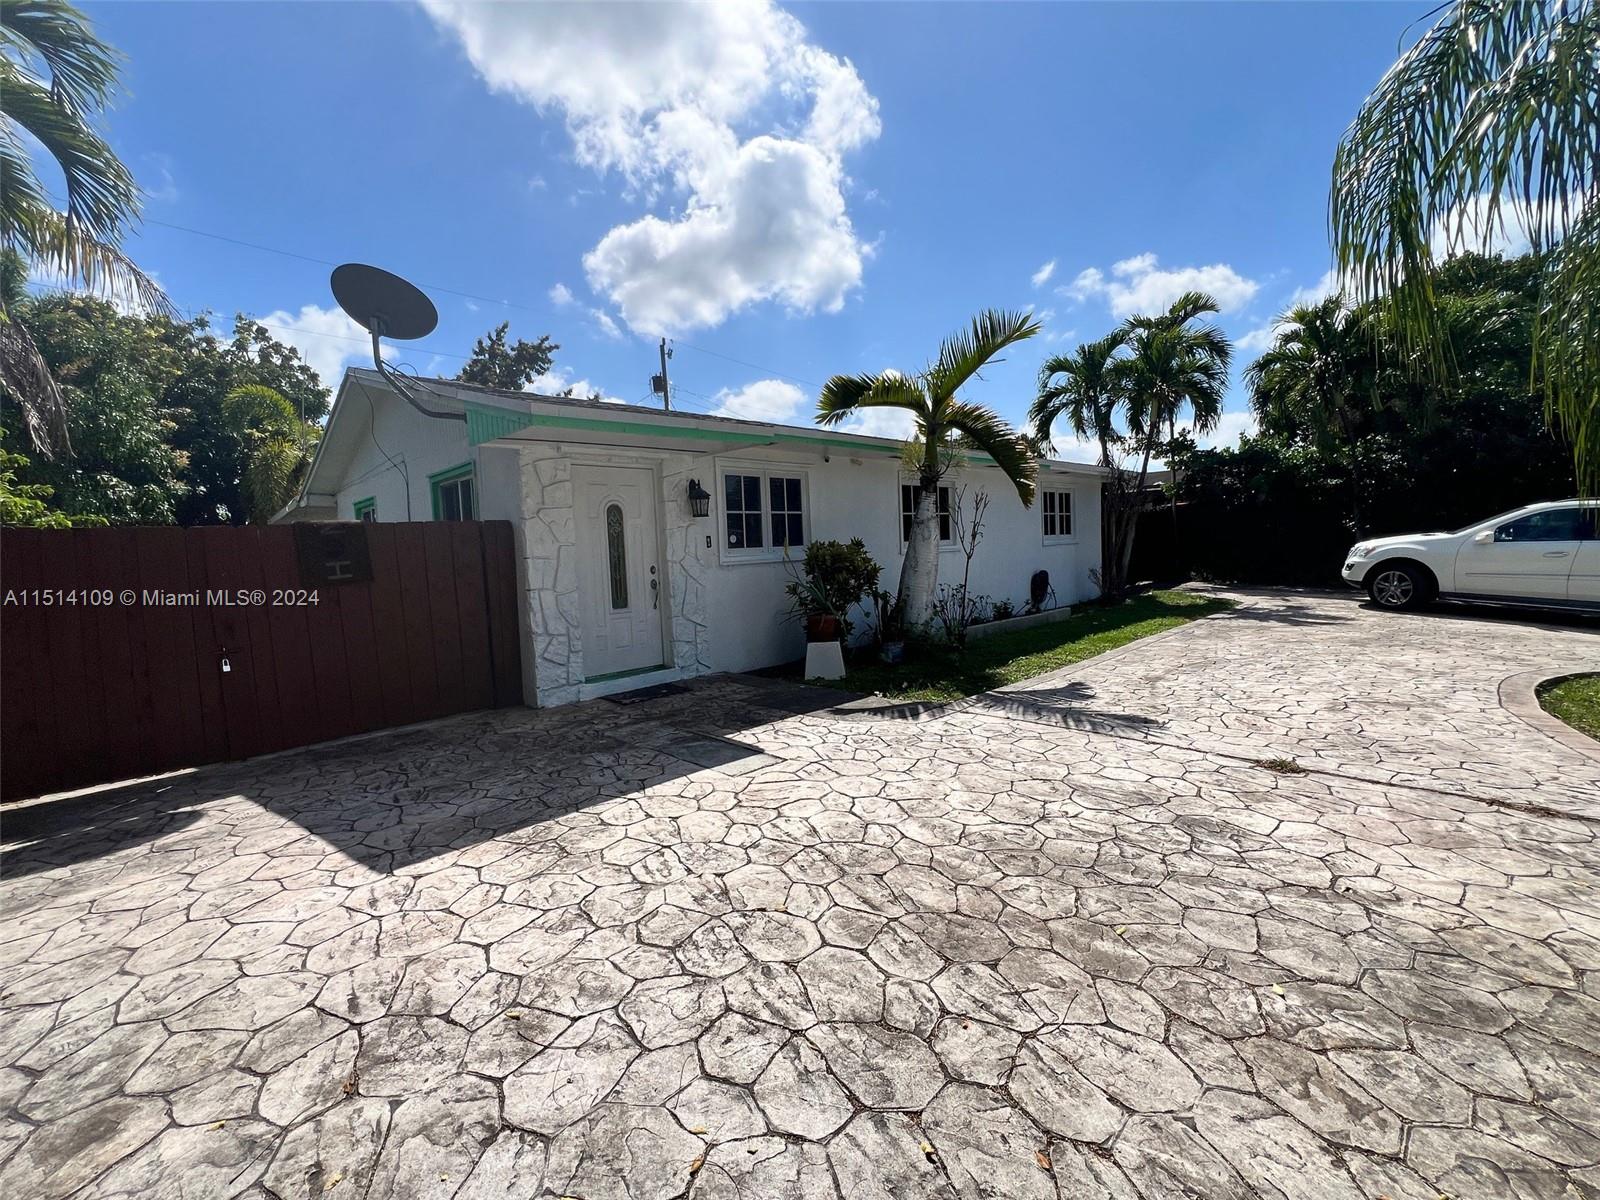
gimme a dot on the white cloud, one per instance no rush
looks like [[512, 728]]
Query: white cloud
[[666, 95], [1140, 285], [882, 422], [1230, 428], [326, 338], [764, 400], [607, 326], [1042, 275], [773, 227], [561, 295], [558, 379], [1256, 340], [1318, 291]]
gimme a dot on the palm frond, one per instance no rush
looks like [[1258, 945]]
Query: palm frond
[[99, 265], [844, 394], [1491, 118], [102, 197], [984, 429], [25, 381], [964, 354], [83, 69], [1083, 388]]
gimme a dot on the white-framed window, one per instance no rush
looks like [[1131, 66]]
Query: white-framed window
[[1055, 511], [910, 496], [763, 512]]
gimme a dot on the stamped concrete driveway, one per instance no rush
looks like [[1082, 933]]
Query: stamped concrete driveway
[[1067, 941]]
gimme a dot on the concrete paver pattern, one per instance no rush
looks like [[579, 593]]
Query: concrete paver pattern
[[1066, 941]]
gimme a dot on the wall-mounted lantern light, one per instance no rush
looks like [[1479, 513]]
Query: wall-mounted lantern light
[[699, 499]]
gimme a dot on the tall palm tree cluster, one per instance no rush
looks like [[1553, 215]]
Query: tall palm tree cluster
[[56, 77], [1148, 374], [1126, 393]]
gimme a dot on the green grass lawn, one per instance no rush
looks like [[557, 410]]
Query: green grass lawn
[[991, 662], [1575, 701]]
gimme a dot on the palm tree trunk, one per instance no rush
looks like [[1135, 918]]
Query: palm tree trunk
[[1130, 523], [919, 572]]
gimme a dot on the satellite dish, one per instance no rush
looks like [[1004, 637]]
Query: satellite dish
[[382, 303]]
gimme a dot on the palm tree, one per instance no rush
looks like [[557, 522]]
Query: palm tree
[[1490, 116], [945, 427], [277, 447], [1085, 388], [1316, 380], [55, 76], [1172, 364]]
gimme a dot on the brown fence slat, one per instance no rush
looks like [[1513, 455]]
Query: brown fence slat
[[477, 674], [256, 617], [361, 654], [438, 547], [299, 701], [179, 734], [97, 692], [416, 605], [500, 575], [121, 651], [389, 627], [24, 691]]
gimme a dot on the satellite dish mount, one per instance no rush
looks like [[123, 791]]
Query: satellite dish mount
[[387, 306]]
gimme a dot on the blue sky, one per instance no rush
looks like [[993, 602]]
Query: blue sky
[[809, 189]]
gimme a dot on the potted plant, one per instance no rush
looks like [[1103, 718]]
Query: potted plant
[[834, 577], [811, 601]]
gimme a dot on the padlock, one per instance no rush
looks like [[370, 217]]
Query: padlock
[[226, 667]]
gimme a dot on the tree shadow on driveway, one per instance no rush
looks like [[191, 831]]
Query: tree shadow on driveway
[[395, 799]]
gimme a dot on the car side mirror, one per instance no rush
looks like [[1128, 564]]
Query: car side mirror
[[1484, 537]]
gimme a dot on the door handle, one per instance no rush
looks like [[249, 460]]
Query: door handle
[[1557, 553], [655, 594]]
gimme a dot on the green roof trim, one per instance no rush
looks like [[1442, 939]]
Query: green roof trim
[[487, 424]]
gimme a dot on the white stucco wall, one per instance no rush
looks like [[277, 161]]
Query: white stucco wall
[[393, 458], [722, 611], [860, 497], [729, 613]]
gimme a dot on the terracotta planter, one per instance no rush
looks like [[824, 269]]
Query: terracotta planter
[[822, 627]]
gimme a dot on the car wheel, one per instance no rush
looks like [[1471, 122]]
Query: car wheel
[[1397, 587]]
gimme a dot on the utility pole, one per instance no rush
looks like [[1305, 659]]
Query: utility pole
[[659, 384]]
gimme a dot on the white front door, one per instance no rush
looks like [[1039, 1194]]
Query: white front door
[[619, 575]]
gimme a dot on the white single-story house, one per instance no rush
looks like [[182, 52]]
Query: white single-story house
[[625, 586]]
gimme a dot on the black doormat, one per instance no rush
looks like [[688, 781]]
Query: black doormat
[[649, 693]]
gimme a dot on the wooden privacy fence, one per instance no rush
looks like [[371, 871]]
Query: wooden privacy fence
[[129, 651]]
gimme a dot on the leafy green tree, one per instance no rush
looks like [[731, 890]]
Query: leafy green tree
[[148, 412], [277, 444], [25, 504], [1489, 119], [114, 372], [508, 367], [1431, 452], [217, 452], [56, 77], [946, 428]]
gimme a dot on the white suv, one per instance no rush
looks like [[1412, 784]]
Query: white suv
[[1545, 555]]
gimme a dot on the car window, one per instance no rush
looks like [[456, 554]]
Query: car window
[[1551, 525]]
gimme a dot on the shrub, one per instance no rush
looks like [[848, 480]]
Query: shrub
[[838, 576]]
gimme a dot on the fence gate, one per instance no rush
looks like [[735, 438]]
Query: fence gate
[[129, 651]]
